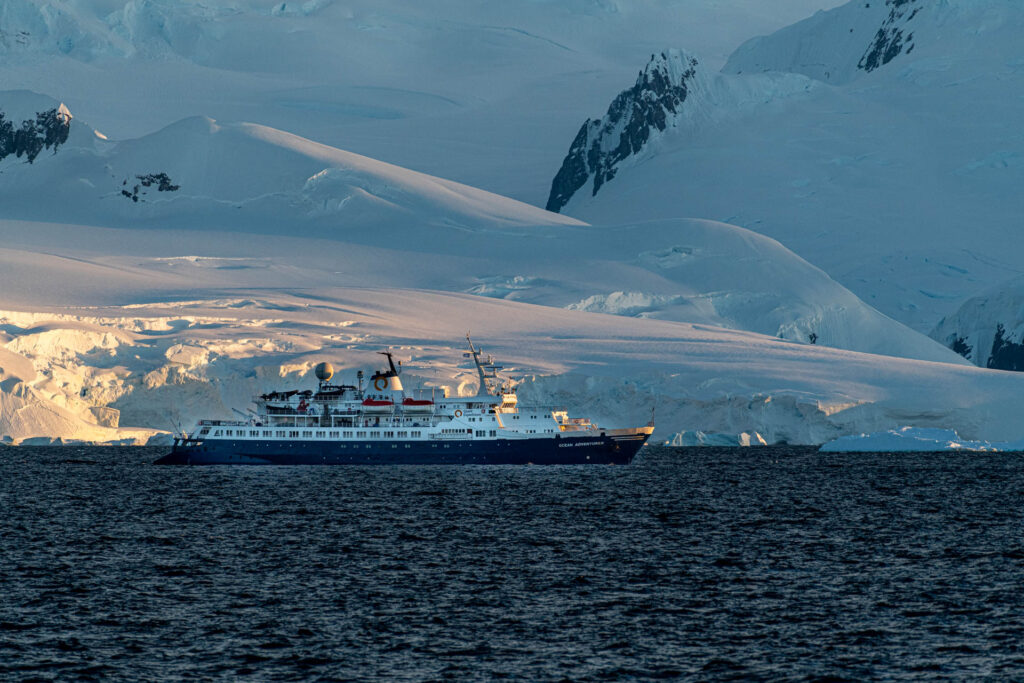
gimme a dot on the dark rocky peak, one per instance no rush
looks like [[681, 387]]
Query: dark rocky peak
[[649, 106], [895, 37], [1006, 353], [47, 130]]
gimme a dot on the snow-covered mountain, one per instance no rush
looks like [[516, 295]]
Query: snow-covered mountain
[[988, 329], [178, 260], [240, 175], [471, 90], [205, 175], [895, 170], [222, 277], [847, 42]]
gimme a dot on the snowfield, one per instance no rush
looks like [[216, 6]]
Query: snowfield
[[143, 342], [375, 222]]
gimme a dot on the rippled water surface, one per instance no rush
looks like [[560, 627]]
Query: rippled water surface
[[708, 564]]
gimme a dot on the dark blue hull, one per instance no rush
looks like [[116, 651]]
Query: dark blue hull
[[603, 450]]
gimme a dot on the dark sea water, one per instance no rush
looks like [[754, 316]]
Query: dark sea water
[[708, 564]]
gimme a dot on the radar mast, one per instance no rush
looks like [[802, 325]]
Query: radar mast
[[487, 370]]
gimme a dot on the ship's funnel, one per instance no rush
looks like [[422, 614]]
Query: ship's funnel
[[386, 382]]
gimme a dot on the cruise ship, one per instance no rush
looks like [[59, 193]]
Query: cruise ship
[[381, 424]]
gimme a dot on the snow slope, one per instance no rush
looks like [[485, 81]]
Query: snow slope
[[674, 91], [242, 175], [900, 180], [478, 91], [146, 329], [166, 360], [847, 42], [202, 175], [149, 328]]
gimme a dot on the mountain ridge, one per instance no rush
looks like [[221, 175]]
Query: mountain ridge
[[874, 175]]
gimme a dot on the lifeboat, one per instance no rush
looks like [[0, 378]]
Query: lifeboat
[[415, 405], [378, 405]]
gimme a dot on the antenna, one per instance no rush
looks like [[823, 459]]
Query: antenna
[[490, 383], [248, 414], [175, 425], [391, 361]]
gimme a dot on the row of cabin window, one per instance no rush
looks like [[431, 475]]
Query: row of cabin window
[[309, 433]]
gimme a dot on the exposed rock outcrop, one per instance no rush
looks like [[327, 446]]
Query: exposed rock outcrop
[[894, 37], [49, 130], [988, 330], [162, 181], [846, 42], [634, 115]]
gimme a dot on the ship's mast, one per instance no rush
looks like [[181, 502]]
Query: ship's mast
[[391, 362], [487, 370]]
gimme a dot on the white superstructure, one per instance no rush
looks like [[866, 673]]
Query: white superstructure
[[384, 411]]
